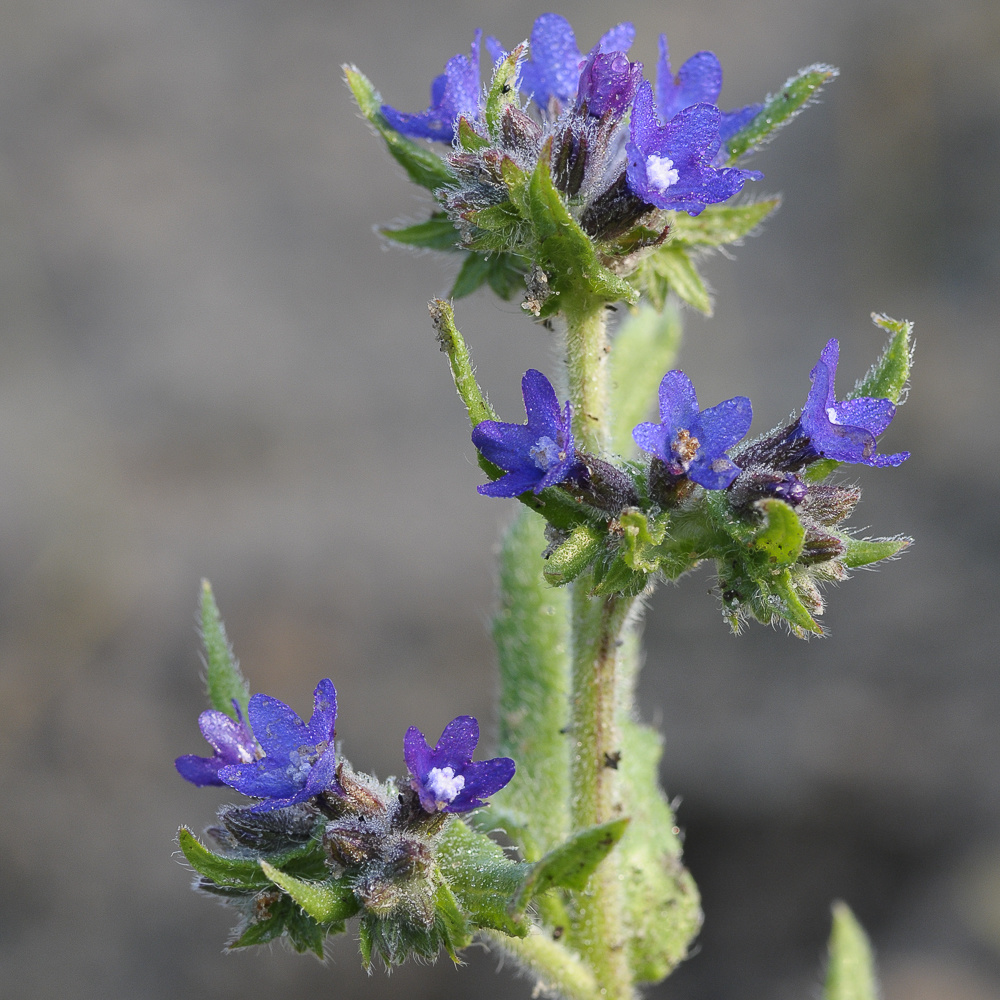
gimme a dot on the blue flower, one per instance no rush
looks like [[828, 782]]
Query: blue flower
[[698, 81], [670, 166], [446, 778], [552, 71], [299, 760], [690, 443], [232, 741], [454, 94], [608, 83], [845, 431], [535, 455]]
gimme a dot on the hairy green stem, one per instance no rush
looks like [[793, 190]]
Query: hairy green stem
[[586, 368], [599, 928], [555, 967]]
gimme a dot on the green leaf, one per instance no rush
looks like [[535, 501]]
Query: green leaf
[[503, 91], [618, 577], [640, 538], [865, 551], [531, 631], [851, 972], [223, 679], [779, 541], [670, 268], [663, 908], [421, 165], [570, 865], [780, 108], [565, 252], [504, 272], [456, 932], [436, 233], [331, 901], [887, 378], [574, 555], [788, 605], [453, 344], [720, 224], [481, 876], [643, 350], [276, 914], [244, 873]]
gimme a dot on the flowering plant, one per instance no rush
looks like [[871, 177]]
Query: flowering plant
[[584, 185]]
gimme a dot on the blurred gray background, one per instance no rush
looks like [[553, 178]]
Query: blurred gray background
[[212, 367]]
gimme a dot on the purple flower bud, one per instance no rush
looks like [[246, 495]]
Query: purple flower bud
[[608, 83], [446, 778], [692, 444], [230, 738], [299, 759], [454, 94], [551, 73], [535, 455]]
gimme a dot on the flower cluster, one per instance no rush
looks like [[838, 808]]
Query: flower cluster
[[283, 761], [667, 157]]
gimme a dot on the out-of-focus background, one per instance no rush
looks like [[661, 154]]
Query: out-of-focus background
[[211, 366]]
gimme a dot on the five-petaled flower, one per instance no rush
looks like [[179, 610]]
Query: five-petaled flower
[[698, 81], [446, 778], [232, 741], [551, 73], [671, 166], [454, 94], [845, 431], [535, 455], [690, 443], [299, 759]]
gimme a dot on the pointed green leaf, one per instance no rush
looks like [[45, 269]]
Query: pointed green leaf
[[503, 90], [276, 916], [481, 876], [574, 555], [473, 273], [531, 631], [239, 872], [565, 251], [865, 551], [570, 865], [423, 166], [436, 233], [618, 577], [328, 902], [223, 679], [887, 378], [671, 268], [780, 539], [365, 945], [643, 351], [851, 972], [720, 224], [454, 927], [780, 108], [503, 272]]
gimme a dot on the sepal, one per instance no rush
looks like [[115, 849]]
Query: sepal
[[719, 225]]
